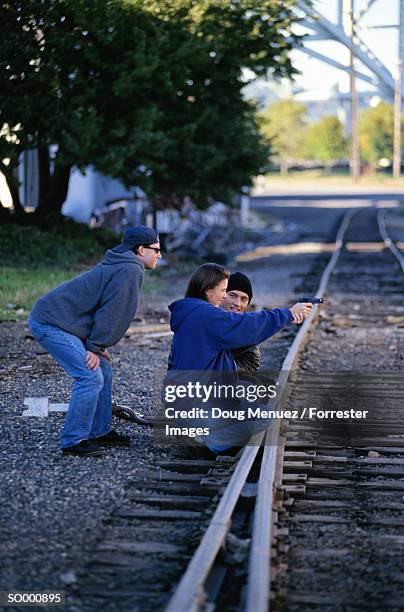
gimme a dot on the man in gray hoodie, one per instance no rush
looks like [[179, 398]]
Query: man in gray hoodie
[[76, 323]]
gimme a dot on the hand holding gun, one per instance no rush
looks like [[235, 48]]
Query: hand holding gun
[[300, 311]]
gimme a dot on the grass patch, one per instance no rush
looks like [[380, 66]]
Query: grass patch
[[64, 246], [154, 281], [35, 261], [23, 286]]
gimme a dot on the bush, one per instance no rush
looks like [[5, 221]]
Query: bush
[[64, 247]]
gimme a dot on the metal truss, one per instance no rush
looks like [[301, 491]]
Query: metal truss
[[320, 29]]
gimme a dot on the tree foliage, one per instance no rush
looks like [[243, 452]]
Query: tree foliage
[[149, 91], [214, 144], [73, 77], [284, 123], [376, 133], [325, 140]]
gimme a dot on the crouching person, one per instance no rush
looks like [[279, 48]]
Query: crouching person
[[238, 296], [76, 323], [204, 338]]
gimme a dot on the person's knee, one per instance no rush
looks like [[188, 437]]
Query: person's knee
[[92, 378]]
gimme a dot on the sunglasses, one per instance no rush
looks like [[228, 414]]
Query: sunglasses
[[157, 250]]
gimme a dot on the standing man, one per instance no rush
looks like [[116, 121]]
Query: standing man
[[76, 323], [237, 299]]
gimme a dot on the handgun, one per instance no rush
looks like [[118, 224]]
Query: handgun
[[311, 300]]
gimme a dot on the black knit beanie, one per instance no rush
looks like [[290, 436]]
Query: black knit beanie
[[240, 282]]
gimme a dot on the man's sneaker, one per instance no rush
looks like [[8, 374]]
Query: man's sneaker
[[112, 438], [85, 448]]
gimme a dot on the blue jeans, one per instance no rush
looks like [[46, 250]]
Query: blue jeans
[[90, 409]]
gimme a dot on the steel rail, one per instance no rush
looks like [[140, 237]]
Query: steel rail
[[189, 595], [259, 571], [381, 220]]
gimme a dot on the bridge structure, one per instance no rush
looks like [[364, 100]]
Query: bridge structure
[[347, 32], [346, 28]]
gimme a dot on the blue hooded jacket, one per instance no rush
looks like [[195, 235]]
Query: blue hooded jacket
[[204, 335]]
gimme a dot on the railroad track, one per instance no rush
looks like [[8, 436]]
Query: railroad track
[[344, 529], [252, 509]]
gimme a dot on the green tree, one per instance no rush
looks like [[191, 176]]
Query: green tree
[[149, 92], [376, 133], [325, 140], [214, 146], [79, 75], [284, 123]]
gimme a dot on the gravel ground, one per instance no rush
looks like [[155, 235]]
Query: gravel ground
[[44, 532], [53, 507], [367, 570]]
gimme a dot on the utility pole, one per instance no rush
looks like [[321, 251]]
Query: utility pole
[[397, 125], [398, 96], [355, 152]]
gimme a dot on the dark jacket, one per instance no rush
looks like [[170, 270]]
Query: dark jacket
[[247, 358], [204, 335], [97, 306]]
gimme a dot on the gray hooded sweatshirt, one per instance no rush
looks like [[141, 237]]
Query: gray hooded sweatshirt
[[97, 306]]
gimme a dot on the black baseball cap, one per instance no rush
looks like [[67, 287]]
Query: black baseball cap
[[136, 236]]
